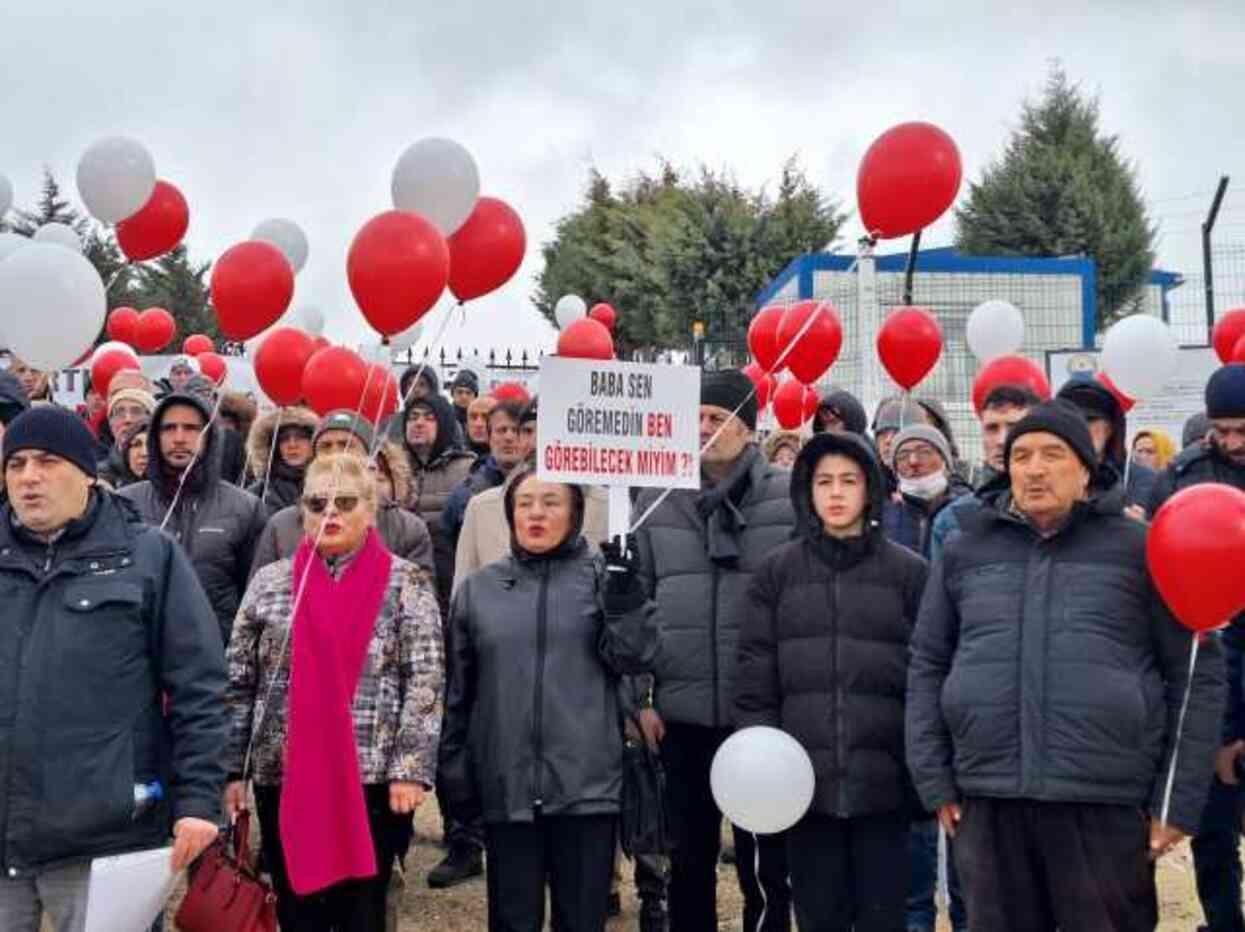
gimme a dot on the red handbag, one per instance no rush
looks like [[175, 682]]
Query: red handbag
[[226, 894]]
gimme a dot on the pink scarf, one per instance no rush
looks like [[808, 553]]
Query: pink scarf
[[324, 824]]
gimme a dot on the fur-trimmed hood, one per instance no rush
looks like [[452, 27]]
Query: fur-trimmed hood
[[259, 440], [241, 408], [398, 463]]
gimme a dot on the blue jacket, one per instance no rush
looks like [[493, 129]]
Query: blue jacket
[[485, 474]]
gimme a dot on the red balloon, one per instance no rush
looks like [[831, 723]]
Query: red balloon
[[252, 285], [1238, 352], [1126, 403], [763, 338], [108, 364], [380, 396], [586, 339], [398, 267], [322, 343], [334, 379], [279, 364], [197, 343], [123, 325], [907, 179], [487, 250], [1194, 552], [818, 347], [812, 401], [909, 344], [158, 227], [764, 384], [511, 391], [156, 330], [1009, 370], [605, 314], [213, 366], [790, 407], [1227, 334]]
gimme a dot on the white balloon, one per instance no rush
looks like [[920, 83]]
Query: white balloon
[[570, 308], [308, 318], [1140, 355], [59, 233], [111, 345], [6, 194], [287, 236], [762, 779], [11, 243], [995, 328], [54, 304], [407, 338], [116, 177], [437, 178]]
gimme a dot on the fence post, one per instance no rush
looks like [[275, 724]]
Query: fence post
[[1208, 270]]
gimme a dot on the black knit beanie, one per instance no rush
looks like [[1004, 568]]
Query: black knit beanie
[[53, 430], [1225, 392], [730, 389], [1065, 422]]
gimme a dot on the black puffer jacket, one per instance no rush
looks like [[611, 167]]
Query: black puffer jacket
[[97, 626], [1050, 669], [532, 714], [217, 523], [823, 653], [702, 603]]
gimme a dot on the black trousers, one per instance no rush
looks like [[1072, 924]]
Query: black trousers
[[572, 855], [350, 906], [850, 874], [696, 826], [1030, 866]]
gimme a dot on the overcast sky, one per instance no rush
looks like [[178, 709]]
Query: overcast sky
[[255, 112]]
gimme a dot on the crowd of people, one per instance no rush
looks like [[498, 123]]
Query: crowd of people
[[329, 620]]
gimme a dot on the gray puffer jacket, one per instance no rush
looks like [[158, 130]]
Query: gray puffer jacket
[[1049, 668], [702, 603], [216, 523]]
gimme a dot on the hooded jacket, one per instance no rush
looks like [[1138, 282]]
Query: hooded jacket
[[217, 523], [1089, 395], [13, 400], [850, 410], [98, 625], [285, 482], [1049, 668], [779, 439], [532, 718], [701, 603], [823, 652], [242, 409], [115, 469]]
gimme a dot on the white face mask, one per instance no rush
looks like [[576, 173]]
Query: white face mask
[[925, 488]]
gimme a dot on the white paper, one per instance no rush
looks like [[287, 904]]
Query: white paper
[[128, 891]]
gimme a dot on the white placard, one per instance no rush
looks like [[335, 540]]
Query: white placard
[[128, 891], [610, 423]]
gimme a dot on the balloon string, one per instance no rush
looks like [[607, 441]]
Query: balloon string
[[721, 427], [1184, 707], [194, 458], [112, 280], [756, 876], [272, 455]]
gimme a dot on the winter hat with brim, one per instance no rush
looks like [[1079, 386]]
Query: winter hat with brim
[[924, 432], [1225, 392], [350, 421], [1062, 419], [732, 391], [52, 430]]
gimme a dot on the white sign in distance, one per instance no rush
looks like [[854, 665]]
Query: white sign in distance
[[610, 423]]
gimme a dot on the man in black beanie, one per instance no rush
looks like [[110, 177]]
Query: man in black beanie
[[464, 389], [1216, 849], [1046, 678], [698, 551]]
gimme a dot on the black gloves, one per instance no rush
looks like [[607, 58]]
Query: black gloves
[[623, 592]]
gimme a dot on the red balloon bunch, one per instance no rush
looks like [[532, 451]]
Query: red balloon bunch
[[123, 325], [380, 393], [586, 339], [197, 343], [487, 250], [909, 345], [605, 314], [1009, 370], [252, 285], [794, 403], [156, 330], [907, 179], [158, 227], [764, 384], [763, 338], [397, 268], [213, 366], [1194, 553], [107, 364], [814, 350], [511, 391], [1227, 336], [279, 364]]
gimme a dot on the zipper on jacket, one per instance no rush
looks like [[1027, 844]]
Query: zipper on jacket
[[538, 738], [713, 646], [841, 796]]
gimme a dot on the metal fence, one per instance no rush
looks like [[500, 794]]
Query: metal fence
[[1186, 305]]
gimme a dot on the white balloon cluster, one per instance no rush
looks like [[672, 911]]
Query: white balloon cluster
[[570, 308], [62, 234], [116, 177], [42, 279]]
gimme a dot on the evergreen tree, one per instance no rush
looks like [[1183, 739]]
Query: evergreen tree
[[1063, 188], [181, 287]]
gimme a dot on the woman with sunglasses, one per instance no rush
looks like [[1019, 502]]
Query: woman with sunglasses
[[532, 739], [336, 671]]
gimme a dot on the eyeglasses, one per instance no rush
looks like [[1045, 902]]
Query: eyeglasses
[[917, 455], [128, 411], [318, 504]]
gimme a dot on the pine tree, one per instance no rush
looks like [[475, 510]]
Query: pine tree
[[181, 287], [1063, 188]]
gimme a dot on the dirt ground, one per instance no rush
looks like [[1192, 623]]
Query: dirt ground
[[462, 909]]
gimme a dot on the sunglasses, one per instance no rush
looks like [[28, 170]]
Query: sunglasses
[[318, 504]]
